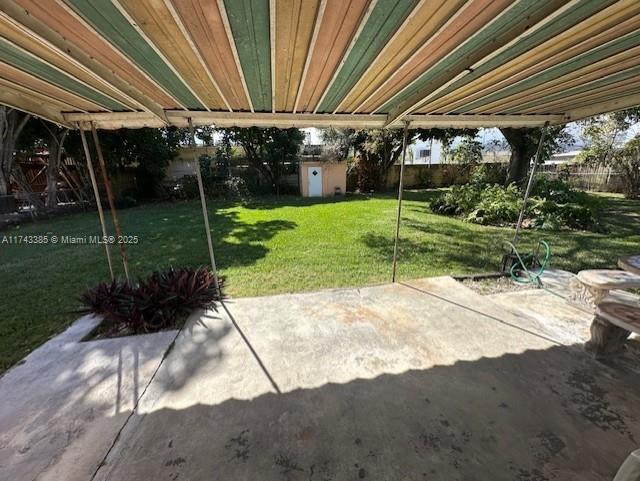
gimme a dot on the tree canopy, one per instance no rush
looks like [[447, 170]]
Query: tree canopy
[[268, 150], [376, 150], [608, 145]]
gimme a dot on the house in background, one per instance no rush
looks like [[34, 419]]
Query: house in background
[[182, 164], [425, 153]]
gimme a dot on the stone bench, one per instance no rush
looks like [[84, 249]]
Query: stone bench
[[591, 287], [611, 326], [616, 312], [630, 264]]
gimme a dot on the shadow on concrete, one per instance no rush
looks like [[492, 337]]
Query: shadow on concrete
[[540, 415]]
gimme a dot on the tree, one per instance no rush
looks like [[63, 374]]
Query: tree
[[468, 151], [607, 146], [55, 144], [605, 133], [523, 143], [12, 123], [267, 149], [146, 150], [377, 150], [338, 142]]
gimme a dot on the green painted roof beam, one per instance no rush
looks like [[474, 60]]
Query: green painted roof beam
[[609, 98], [249, 21], [28, 63], [114, 27], [385, 18], [572, 16], [459, 59], [627, 74], [583, 60]]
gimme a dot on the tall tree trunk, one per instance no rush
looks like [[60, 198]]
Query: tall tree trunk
[[522, 149], [12, 122], [52, 178], [7, 203], [56, 143]]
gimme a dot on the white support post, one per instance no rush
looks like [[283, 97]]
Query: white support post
[[203, 203], [400, 185], [112, 205], [532, 174], [96, 193]]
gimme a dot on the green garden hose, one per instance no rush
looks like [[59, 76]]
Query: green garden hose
[[532, 259]]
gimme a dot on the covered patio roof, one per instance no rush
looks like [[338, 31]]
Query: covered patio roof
[[357, 63]]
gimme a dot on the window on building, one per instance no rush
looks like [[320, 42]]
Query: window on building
[[424, 153]]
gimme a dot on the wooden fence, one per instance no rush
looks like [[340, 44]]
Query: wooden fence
[[585, 177]]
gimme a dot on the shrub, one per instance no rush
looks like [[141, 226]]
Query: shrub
[[457, 200], [553, 204], [488, 174], [232, 188], [497, 205], [125, 200], [158, 302]]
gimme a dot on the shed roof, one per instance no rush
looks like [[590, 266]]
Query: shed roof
[[356, 63]]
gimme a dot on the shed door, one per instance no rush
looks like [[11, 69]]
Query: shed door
[[314, 174]]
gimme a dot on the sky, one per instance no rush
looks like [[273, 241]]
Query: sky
[[313, 135]]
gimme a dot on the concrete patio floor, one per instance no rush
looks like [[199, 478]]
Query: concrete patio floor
[[418, 380]]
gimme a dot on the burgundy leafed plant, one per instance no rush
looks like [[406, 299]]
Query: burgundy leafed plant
[[156, 303]]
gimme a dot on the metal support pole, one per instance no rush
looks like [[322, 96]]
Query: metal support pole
[[96, 193], [112, 206], [400, 183], [203, 203], [532, 174]]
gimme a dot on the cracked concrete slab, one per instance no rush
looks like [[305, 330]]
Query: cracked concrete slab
[[62, 407], [427, 380]]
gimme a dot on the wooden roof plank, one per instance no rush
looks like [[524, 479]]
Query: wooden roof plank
[[338, 26], [618, 80], [625, 101], [542, 37], [32, 105], [577, 40], [294, 27], [451, 34], [68, 33], [422, 24], [203, 20], [30, 63], [509, 24], [157, 23], [48, 89], [613, 47], [249, 22], [107, 19], [28, 41], [23, 89], [385, 18]]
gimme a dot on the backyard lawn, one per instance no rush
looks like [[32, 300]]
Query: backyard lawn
[[273, 246]]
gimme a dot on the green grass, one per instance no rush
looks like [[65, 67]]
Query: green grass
[[273, 246]]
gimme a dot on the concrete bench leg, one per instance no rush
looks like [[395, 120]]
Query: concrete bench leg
[[607, 339], [630, 469], [584, 295]]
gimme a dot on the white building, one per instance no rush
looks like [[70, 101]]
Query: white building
[[429, 152]]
